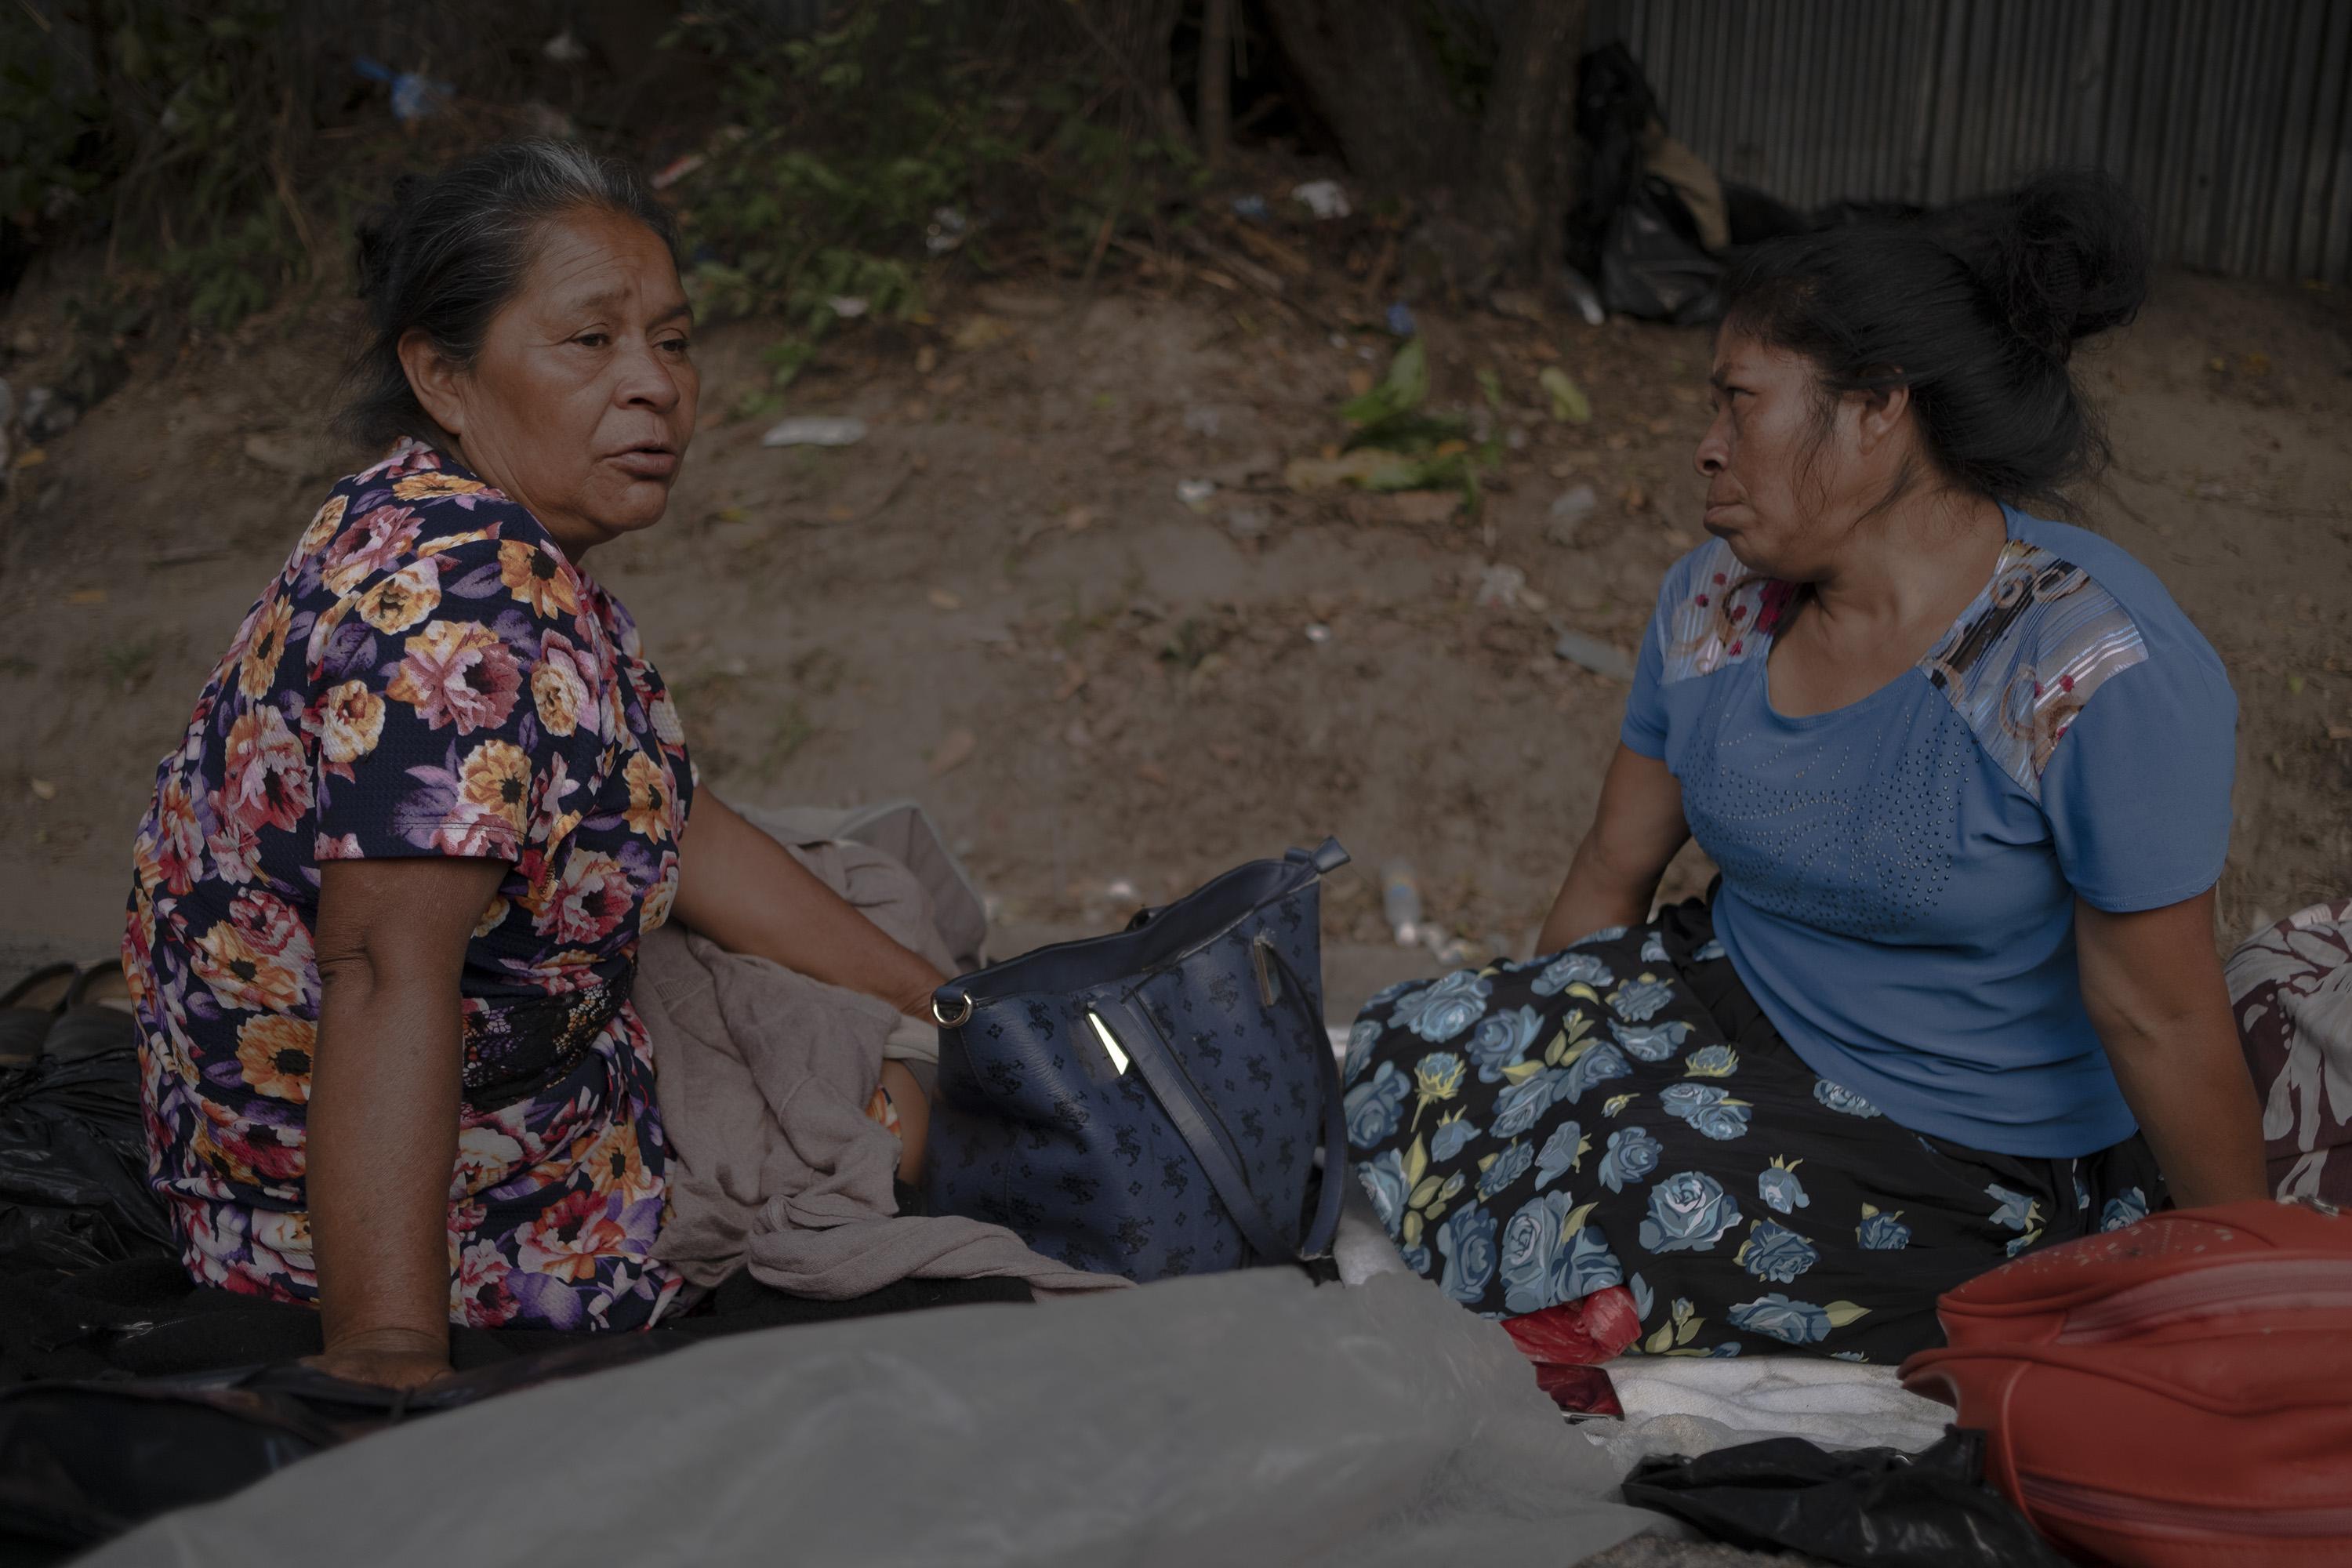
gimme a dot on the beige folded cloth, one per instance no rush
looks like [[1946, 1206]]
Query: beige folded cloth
[[763, 1077]]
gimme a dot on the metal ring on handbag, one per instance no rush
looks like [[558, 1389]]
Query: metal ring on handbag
[[959, 1021]]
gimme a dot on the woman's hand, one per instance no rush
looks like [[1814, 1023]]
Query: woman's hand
[[1636, 831], [381, 1136], [388, 1358], [2153, 984]]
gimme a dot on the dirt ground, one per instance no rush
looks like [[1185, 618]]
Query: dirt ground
[[1142, 691]]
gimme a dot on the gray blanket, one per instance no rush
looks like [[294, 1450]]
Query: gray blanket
[[1238, 1418]]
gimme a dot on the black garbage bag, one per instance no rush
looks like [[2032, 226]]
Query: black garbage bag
[[1864, 1508], [1629, 229], [1653, 265], [82, 1462], [73, 1165]]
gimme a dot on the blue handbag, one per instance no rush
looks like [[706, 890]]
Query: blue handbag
[[1149, 1103]]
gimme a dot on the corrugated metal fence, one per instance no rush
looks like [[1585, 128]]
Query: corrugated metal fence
[[2231, 120]]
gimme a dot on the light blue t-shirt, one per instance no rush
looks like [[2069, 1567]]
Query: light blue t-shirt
[[1899, 875]]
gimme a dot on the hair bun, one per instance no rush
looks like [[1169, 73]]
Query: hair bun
[[2063, 256]]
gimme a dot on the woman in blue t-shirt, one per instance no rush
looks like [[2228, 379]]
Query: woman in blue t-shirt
[[1967, 776]]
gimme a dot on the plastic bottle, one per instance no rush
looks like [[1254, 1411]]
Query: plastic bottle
[[1401, 902]]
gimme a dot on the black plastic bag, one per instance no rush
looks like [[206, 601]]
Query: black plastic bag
[[81, 1463], [73, 1165], [1864, 1508], [1629, 229], [1653, 265]]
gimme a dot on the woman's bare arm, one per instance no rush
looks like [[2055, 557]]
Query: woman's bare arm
[[382, 1125], [746, 892], [2154, 988], [1636, 831]]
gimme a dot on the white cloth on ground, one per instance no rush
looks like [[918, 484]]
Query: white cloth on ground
[[1696, 1404]]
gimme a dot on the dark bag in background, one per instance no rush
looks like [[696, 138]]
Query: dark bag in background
[[1149, 1103]]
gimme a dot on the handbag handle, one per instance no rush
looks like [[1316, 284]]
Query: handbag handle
[[1213, 1147]]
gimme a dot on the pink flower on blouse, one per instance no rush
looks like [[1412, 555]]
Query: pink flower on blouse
[[460, 673]]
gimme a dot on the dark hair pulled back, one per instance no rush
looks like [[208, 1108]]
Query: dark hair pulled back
[[447, 253], [1976, 309]]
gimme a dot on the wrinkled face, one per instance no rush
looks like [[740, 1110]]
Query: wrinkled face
[[582, 401], [1784, 489]]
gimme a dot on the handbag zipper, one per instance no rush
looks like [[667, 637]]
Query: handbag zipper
[[2268, 1285], [2096, 1505]]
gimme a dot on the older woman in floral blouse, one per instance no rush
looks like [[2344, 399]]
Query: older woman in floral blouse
[[389, 892]]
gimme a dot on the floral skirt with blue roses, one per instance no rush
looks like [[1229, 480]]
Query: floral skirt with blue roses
[[1623, 1114]]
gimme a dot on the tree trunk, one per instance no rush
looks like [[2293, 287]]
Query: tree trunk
[[1376, 83], [1217, 104], [1136, 37], [1523, 142]]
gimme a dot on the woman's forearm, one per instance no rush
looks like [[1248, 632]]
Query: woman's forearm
[[749, 894], [382, 1142], [2196, 1104], [1637, 828], [2153, 986], [1594, 897]]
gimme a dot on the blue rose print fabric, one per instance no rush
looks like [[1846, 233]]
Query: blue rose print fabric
[[428, 675], [1623, 1114]]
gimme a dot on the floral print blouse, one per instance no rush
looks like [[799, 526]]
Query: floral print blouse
[[427, 675]]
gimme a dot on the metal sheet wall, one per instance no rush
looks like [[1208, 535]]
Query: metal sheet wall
[[2231, 120]]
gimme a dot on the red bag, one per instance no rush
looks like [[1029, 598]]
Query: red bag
[[2176, 1393]]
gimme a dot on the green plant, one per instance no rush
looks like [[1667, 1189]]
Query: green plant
[[128, 665], [171, 129], [852, 164], [46, 117], [791, 730]]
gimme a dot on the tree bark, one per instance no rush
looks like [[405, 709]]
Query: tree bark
[[1523, 140], [1376, 83], [1216, 117], [1136, 37]]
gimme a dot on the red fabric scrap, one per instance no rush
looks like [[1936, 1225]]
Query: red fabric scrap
[[1568, 1342]]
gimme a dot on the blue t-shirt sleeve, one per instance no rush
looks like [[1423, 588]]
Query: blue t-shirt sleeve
[[1644, 729], [2138, 789]]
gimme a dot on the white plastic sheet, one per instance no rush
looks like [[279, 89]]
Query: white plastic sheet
[[1242, 1418]]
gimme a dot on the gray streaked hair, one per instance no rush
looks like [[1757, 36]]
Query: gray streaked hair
[[447, 254]]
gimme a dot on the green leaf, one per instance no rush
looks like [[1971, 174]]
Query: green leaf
[[1425, 1194], [1412, 432], [1412, 1223], [1575, 1221], [1519, 1072], [1569, 404], [1416, 1164], [1662, 1341], [1400, 392], [1840, 1313], [1687, 1330]]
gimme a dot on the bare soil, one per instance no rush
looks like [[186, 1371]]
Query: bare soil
[[1151, 690]]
